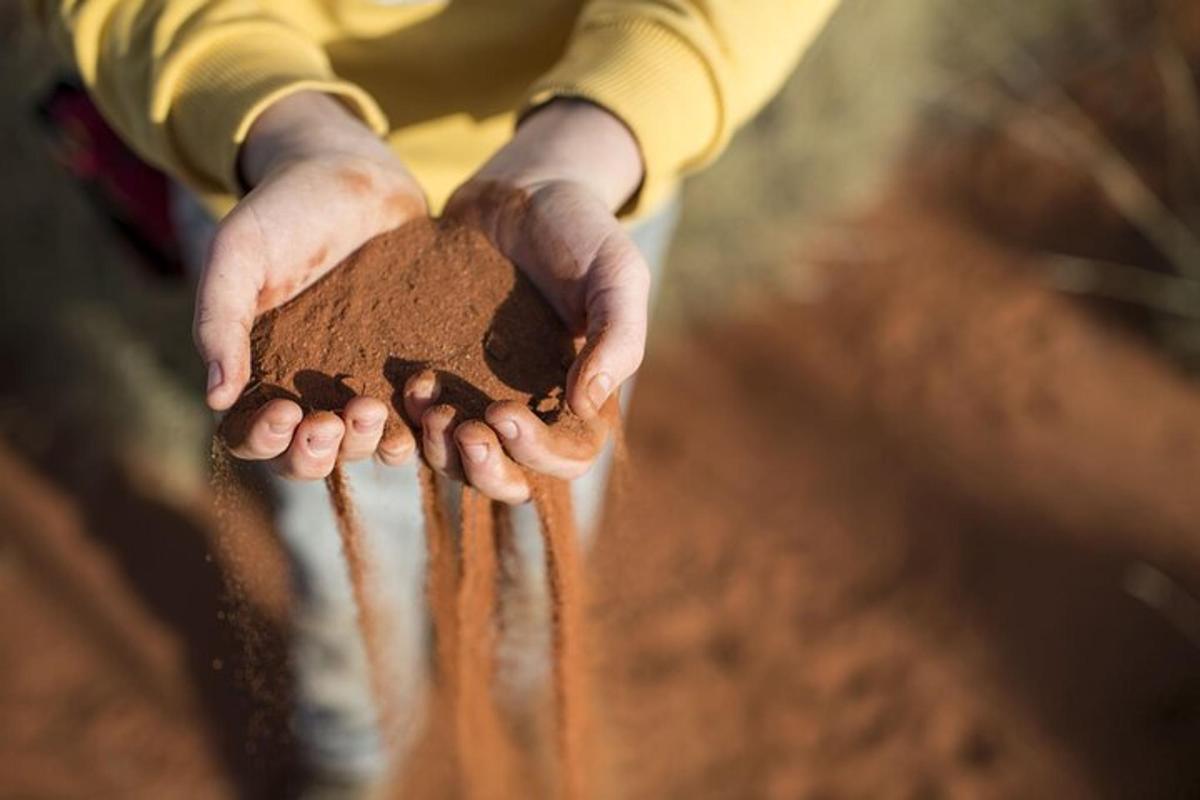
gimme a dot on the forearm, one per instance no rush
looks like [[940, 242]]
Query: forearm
[[572, 141], [303, 125], [682, 74], [183, 80]]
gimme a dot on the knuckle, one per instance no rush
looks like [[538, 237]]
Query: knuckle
[[633, 278], [633, 265], [258, 450], [318, 471], [202, 327], [235, 235], [209, 328], [514, 493], [574, 469], [353, 453], [394, 459]]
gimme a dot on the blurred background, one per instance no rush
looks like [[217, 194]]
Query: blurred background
[[913, 505]]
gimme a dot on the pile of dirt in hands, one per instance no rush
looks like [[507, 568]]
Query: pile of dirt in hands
[[428, 295]]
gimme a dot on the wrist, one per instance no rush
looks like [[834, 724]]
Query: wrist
[[575, 141], [297, 126]]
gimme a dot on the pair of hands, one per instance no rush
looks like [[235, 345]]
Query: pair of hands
[[323, 184]]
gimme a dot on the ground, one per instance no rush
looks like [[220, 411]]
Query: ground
[[910, 524]]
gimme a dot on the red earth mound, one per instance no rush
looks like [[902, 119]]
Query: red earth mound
[[428, 295]]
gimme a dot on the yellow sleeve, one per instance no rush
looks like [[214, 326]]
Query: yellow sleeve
[[183, 80], [682, 74]]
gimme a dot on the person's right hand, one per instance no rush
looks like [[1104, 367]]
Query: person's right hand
[[322, 184]]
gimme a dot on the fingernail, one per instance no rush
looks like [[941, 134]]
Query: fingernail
[[475, 453], [599, 389], [215, 376], [426, 389], [367, 425], [508, 429], [394, 448], [320, 445], [280, 428]]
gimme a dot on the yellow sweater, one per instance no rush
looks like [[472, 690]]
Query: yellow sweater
[[443, 80]]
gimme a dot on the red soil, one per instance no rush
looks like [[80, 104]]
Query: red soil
[[892, 569], [895, 569], [888, 555], [427, 295], [568, 592]]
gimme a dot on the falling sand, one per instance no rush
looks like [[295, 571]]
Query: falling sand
[[437, 296]]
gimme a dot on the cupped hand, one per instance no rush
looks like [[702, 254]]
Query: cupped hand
[[547, 201], [322, 185]]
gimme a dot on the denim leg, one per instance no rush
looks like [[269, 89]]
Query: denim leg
[[336, 714]]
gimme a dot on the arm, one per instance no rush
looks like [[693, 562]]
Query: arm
[[184, 80], [683, 75]]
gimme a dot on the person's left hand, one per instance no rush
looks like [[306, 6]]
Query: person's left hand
[[547, 200]]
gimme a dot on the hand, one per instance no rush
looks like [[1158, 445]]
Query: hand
[[547, 201], [322, 185]]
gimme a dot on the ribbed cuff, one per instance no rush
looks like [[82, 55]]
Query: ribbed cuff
[[657, 84], [221, 90]]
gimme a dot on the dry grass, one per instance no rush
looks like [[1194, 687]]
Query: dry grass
[[880, 71], [827, 141]]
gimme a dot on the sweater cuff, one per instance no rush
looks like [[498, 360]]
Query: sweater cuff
[[654, 82], [221, 91]]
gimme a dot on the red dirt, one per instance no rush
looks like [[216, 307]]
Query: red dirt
[[568, 592], [886, 556], [441, 579], [894, 572], [427, 295], [484, 753], [127, 672], [895, 569]]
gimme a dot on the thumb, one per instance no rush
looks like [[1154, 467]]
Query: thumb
[[226, 301], [618, 296]]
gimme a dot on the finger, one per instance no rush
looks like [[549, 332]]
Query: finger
[[226, 300], [556, 451], [486, 467], [618, 297], [437, 441], [314, 448], [364, 418], [397, 448], [270, 431], [420, 392]]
